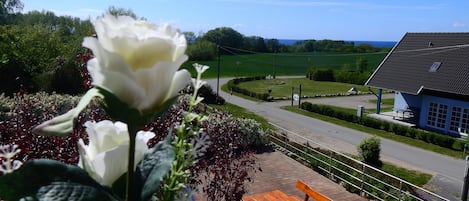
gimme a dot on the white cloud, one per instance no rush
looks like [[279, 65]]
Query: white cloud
[[459, 24]]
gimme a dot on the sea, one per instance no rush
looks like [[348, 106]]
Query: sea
[[377, 44]]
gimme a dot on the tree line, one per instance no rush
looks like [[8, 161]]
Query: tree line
[[204, 46]]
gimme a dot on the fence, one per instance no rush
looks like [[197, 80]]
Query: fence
[[354, 175]]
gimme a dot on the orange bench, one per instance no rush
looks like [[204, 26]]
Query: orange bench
[[309, 192]]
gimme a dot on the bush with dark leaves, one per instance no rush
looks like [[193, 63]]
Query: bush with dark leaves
[[220, 173]]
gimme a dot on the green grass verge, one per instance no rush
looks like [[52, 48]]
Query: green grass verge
[[240, 112], [380, 133], [384, 101], [412, 176], [283, 87]]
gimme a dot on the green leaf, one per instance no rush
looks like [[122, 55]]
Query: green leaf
[[45, 179], [121, 111], [154, 166], [63, 125], [71, 191]]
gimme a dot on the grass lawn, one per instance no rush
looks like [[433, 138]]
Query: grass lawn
[[412, 176], [283, 87], [282, 63], [380, 133], [386, 104]]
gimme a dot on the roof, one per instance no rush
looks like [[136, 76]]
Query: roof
[[419, 62]]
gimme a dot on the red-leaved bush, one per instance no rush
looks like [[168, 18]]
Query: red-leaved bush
[[220, 172]]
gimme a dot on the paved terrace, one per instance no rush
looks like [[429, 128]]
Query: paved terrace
[[280, 172]]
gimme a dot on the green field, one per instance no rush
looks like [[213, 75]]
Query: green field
[[283, 64], [283, 87]]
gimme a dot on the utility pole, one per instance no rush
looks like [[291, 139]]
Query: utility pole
[[275, 54], [299, 98], [218, 73]]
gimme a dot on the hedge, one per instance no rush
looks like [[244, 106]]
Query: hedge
[[429, 137], [233, 86]]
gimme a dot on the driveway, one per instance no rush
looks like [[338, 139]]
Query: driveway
[[448, 172]]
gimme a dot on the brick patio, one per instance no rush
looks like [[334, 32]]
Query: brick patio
[[280, 172]]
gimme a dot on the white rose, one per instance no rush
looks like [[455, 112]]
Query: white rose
[[105, 158], [137, 61]]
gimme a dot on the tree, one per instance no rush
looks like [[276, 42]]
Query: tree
[[8, 7], [27, 51], [121, 11], [273, 45], [35, 45], [190, 37], [202, 50], [309, 45], [361, 64], [365, 48], [224, 36], [369, 150]]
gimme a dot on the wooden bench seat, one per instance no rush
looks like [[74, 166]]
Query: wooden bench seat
[[310, 193], [275, 195]]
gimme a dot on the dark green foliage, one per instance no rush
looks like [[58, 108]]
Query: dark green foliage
[[373, 123], [224, 36], [324, 75], [210, 97], [233, 86], [369, 151], [202, 50], [352, 77], [154, 166], [429, 137], [38, 52], [53, 180]]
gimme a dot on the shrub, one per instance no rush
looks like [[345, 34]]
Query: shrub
[[369, 151], [324, 75], [400, 130], [306, 106], [429, 137], [233, 85], [228, 162], [370, 122], [210, 97]]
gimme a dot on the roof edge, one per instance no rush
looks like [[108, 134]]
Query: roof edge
[[384, 60]]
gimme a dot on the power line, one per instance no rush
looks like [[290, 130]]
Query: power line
[[302, 55]]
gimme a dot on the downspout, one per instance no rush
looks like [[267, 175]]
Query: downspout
[[378, 103]]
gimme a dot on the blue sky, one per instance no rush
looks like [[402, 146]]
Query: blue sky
[[286, 19]]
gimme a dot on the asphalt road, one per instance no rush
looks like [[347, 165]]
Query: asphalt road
[[448, 172]]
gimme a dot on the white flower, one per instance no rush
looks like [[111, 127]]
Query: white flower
[[198, 82], [105, 157], [7, 153], [137, 61]]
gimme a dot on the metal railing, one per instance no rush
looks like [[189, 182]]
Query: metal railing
[[354, 175]]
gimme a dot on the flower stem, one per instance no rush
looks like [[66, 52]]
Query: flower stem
[[130, 190]]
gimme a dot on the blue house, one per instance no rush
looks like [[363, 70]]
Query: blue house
[[429, 73]]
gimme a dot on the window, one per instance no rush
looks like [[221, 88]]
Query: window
[[437, 115], [459, 119], [435, 66], [455, 119], [465, 120]]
